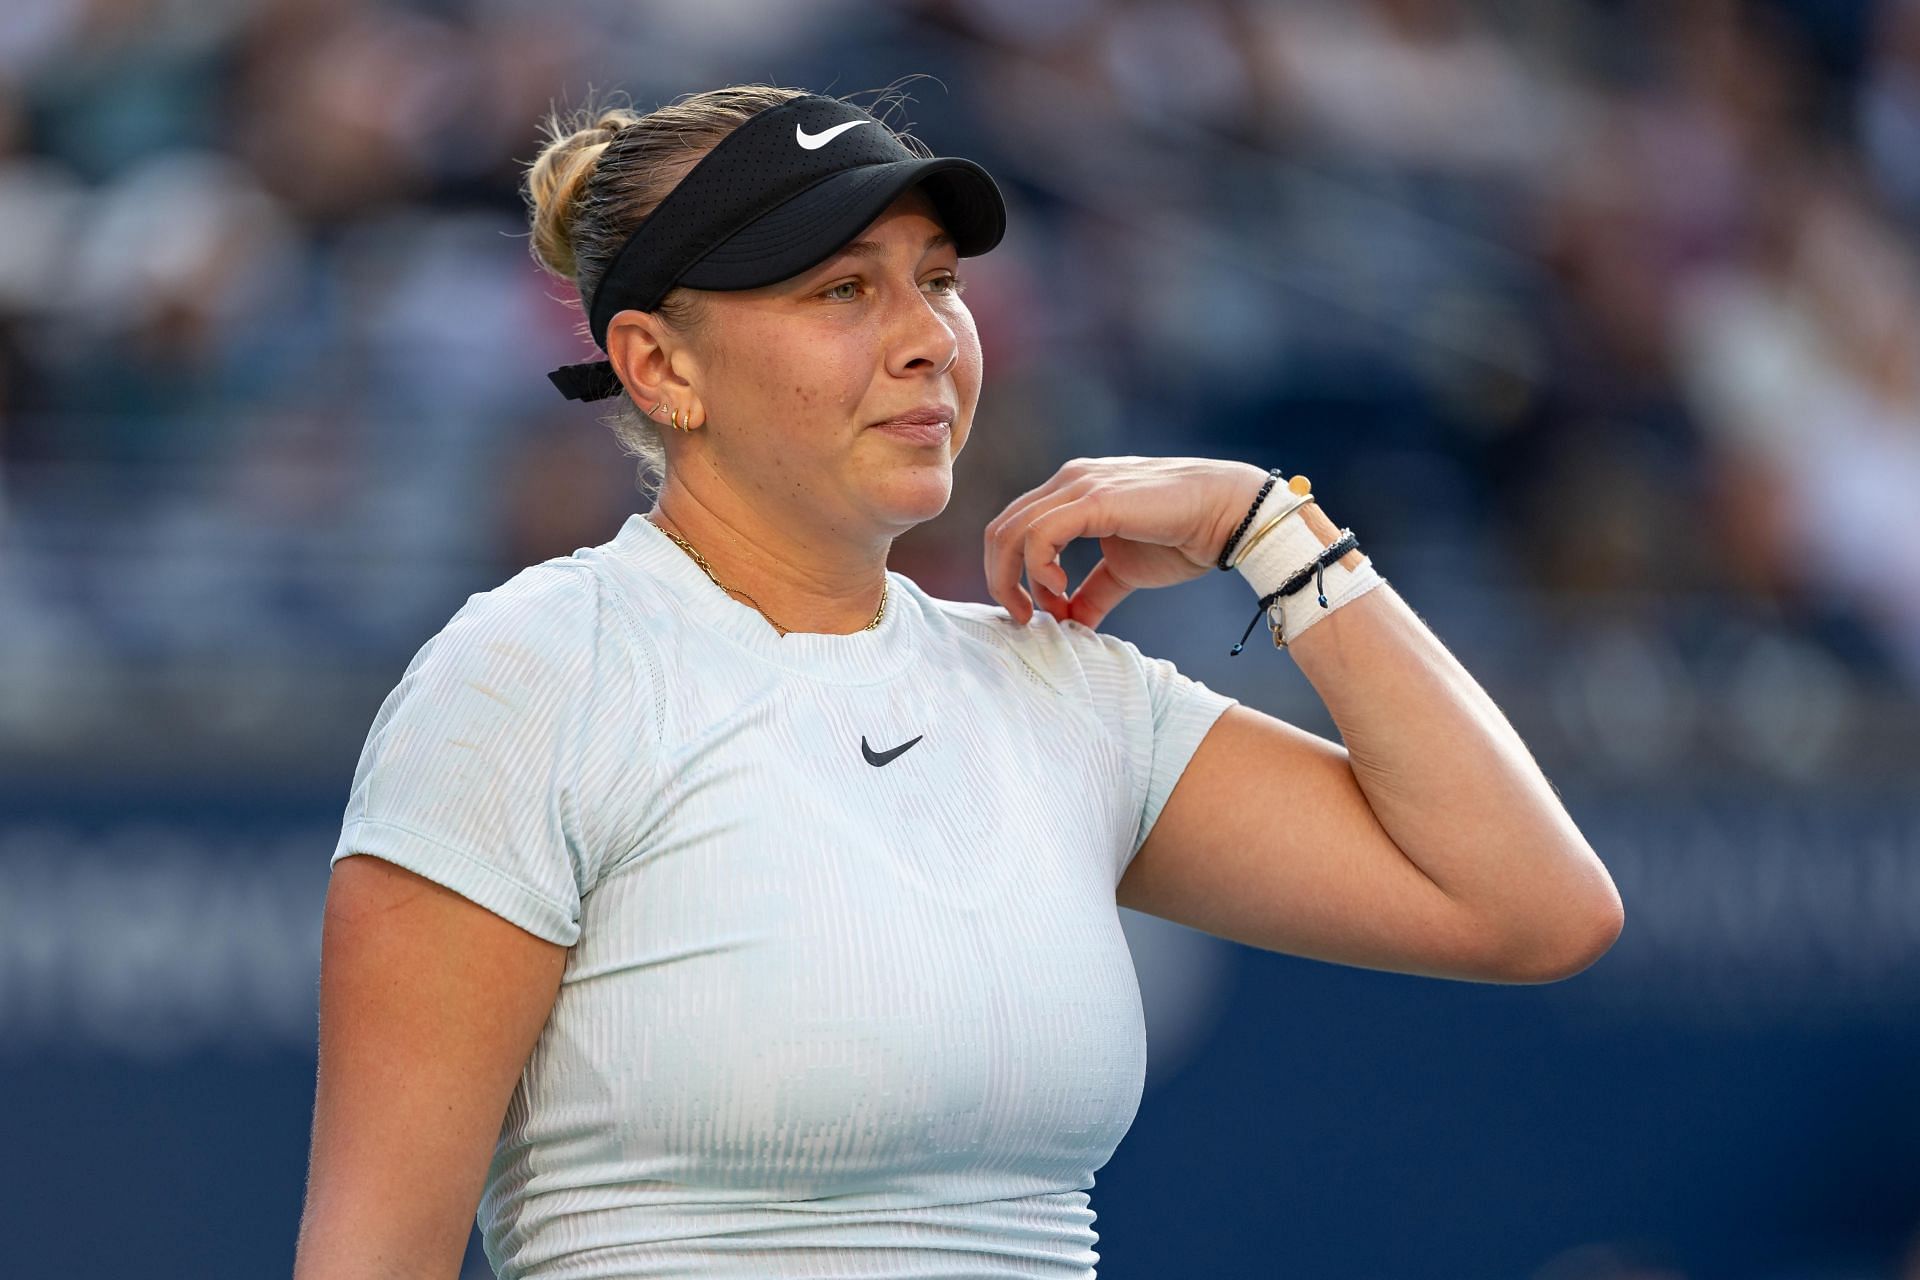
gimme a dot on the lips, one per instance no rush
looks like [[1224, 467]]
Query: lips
[[926, 413], [915, 432]]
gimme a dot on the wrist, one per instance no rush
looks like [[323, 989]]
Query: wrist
[[1243, 487], [1283, 503], [1327, 532], [1294, 543]]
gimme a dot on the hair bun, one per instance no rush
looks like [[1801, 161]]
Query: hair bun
[[557, 179]]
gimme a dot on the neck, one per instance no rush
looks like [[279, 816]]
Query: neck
[[803, 578]]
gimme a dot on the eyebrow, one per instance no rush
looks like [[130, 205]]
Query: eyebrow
[[873, 248]]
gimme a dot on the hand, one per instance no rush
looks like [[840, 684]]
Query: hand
[[1159, 520]]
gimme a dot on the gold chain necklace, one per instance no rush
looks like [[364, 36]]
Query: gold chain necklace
[[708, 570]]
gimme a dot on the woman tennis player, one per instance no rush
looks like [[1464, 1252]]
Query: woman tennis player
[[715, 902]]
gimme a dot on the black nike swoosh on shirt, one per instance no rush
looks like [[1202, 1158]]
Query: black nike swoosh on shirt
[[877, 758]]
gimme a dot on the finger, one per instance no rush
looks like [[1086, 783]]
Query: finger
[[1005, 537], [1054, 602], [1003, 579], [1003, 534], [1019, 608], [1051, 530], [1098, 594], [1050, 590]]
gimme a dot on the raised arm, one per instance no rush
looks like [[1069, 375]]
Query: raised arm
[[1430, 843], [429, 1008]]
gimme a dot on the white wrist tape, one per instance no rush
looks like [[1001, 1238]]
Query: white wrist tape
[[1287, 548]]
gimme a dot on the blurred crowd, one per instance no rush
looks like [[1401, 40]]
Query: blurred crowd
[[1611, 309], [1598, 320]]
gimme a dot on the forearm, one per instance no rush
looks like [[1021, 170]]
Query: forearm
[[1448, 777]]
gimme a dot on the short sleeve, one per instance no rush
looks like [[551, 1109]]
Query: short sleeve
[[511, 760], [1160, 714], [1183, 710]]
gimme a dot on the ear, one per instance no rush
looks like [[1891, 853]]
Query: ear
[[652, 359]]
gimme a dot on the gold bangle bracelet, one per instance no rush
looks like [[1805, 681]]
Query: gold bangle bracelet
[[1247, 546]]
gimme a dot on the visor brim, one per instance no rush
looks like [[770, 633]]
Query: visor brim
[[809, 228]]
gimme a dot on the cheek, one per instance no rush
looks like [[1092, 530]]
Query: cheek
[[784, 380], [821, 372], [968, 364]]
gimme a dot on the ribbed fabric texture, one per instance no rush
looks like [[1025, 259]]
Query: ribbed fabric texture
[[820, 1018]]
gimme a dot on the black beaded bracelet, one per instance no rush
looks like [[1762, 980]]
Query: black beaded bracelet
[[1272, 476], [1317, 570]]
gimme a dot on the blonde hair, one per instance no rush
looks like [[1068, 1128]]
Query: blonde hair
[[604, 168]]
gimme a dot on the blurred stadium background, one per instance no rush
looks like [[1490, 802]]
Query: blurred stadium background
[[1599, 322]]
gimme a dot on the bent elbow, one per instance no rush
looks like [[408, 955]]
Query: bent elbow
[[1573, 950]]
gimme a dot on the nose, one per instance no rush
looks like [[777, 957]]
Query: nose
[[923, 341]]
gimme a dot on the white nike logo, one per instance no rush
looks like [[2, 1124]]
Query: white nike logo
[[814, 141]]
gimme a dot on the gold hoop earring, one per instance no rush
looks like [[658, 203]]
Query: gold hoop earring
[[674, 417]]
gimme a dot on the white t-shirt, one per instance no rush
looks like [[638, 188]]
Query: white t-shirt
[[847, 992]]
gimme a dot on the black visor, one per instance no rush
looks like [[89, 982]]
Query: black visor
[[781, 193]]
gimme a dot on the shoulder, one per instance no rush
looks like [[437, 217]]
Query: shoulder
[[542, 615], [1069, 657], [553, 631]]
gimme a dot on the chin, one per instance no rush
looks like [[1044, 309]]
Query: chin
[[914, 494]]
